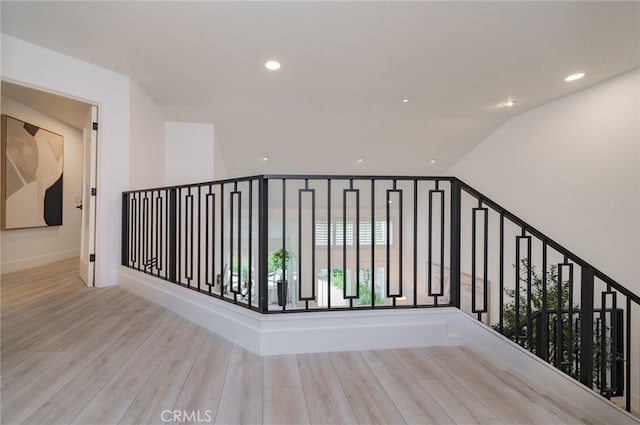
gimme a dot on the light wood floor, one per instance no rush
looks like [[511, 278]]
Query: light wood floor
[[103, 356]]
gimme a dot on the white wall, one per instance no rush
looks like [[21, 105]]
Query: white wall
[[189, 153], [146, 154], [571, 168], [35, 66], [219, 163], [24, 248]]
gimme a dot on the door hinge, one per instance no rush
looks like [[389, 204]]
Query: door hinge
[[95, 126], [94, 191], [92, 258]]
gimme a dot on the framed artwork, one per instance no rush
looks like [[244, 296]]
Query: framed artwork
[[32, 168]]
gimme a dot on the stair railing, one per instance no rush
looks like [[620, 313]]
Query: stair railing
[[291, 243], [551, 301]]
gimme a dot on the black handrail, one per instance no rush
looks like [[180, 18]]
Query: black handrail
[[288, 243], [511, 216], [601, 360], [205, 183], [529, 228]]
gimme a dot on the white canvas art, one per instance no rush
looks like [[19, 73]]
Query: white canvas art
[[32, 160]]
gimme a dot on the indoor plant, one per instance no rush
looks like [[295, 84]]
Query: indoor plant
[[278, 261]]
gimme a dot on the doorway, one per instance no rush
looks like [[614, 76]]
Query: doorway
[[74, 120]]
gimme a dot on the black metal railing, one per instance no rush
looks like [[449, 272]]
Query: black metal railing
[[549, 300], [194, 235], [290, 243], [565, 355]]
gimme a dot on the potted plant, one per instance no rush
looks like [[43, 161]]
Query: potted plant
[[279, 259], [557, 290]]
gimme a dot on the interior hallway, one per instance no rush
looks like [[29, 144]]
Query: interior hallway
[[72, 354]]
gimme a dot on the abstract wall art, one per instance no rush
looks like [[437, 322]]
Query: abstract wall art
[[32, 169]]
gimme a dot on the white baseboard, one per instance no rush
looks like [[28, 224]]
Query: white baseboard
[[361, 330], [353, 330], [512, 357], [308, 333], [27, 263]]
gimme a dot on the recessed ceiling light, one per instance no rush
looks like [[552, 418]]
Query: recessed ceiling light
[[265, 158], [509, 103], [575, 76], [360, 159], [433, 161], [405, 100], [272, 65]]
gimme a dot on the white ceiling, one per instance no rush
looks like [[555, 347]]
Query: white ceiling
[[346, 66], [64, 109]]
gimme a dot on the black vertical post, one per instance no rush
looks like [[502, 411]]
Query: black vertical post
[[543, 330], [172, 239], [586, 326], [198, 263], [539, 336], [263, 244], [250, 233], [627, 363], [329, 241], [415, 244], [501, 296], [125, 230], [456, 197]]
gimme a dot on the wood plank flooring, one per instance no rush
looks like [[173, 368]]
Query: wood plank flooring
[[71, 354]]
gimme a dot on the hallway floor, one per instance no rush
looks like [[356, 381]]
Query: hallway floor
[[72, 354]]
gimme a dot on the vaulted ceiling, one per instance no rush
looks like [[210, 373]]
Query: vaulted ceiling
[[346, 67]]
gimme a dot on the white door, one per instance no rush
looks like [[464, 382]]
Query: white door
[[89, 164]]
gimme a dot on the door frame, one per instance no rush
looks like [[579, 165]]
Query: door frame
[[89, 198], [90, 103]]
